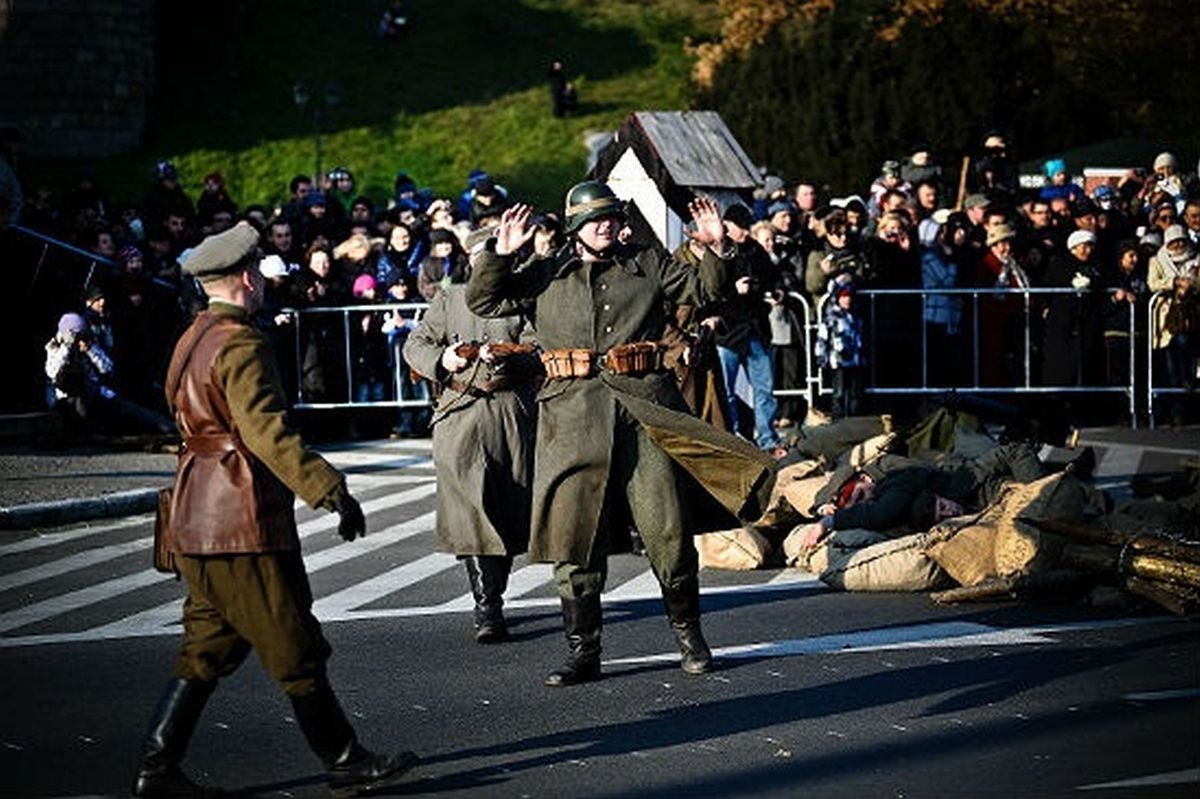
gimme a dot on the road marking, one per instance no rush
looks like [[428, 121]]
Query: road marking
[[352, 460], [168, 614], [414, 444], [521, 582], [91, 557], [164, 619], [50, 539], [1162, 696], [645, 584], [389, 582], [916, 636], [70, 563], [75, 600], [1187, 776]]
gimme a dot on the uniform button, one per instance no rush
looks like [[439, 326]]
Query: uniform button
[[608, 329], [607, 306], [603, 286]]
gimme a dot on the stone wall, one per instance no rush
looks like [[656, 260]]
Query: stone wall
[[76, 75]]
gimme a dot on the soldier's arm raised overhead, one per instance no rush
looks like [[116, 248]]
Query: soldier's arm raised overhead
[[494, 289]]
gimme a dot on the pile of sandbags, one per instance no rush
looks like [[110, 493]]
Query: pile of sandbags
[[1057, 536]]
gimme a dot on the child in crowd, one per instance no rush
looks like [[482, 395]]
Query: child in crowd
[[840, 349]]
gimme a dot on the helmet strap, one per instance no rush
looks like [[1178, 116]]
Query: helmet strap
[[597, 254]]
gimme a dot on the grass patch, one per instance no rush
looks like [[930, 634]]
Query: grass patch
[[463, 87]]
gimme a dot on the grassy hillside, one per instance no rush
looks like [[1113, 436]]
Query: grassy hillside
[[463, 87]]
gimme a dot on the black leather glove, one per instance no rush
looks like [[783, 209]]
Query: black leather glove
[[353, 524]]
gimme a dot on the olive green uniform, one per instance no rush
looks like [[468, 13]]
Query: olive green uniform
[[610, 447], [239, 599]]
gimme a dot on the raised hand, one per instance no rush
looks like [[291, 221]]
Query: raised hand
[[514, 232], [710, 229]]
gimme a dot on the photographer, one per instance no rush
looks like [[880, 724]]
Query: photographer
[[835, 257], [79, 370]]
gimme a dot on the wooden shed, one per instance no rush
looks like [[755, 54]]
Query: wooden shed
[[659, 160]]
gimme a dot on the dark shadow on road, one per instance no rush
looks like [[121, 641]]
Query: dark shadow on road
[[975, 682]]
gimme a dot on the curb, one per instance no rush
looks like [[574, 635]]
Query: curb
[[64, 511]]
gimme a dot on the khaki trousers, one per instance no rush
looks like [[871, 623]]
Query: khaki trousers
[[263, 602]]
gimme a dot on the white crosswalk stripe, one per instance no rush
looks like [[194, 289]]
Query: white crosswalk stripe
[[396, 476]]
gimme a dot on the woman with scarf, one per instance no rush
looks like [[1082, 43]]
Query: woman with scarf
[[1001, 346], [1174, 271]]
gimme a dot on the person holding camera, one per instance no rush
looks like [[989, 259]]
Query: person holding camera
[[232, 532], [80, 373]]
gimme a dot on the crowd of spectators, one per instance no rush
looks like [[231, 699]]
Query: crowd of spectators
[[329, 246]]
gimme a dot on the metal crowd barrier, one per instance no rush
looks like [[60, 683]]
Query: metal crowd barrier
[[1152, 331], [814, 377], [1026, 385], [406, 391]]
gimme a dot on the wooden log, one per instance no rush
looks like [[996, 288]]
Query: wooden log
[[1163, 547], [1179, 602], [1152, 567]]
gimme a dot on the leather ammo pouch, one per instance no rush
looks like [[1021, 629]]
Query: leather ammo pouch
[[568, 362], [639, 358]]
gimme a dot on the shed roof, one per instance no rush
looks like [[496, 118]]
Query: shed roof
[[697, 148]]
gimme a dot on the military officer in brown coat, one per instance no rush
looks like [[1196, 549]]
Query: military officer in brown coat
[[233, 533], [616, 445], [482, 442]]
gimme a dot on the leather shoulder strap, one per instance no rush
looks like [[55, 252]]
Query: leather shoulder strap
[[176, 375]]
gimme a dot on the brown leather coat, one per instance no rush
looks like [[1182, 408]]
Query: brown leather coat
[[229, 405]]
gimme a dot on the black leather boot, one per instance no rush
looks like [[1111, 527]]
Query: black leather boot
[[350, 768], [581, 619], [683, 610], [158, 774], [489, 579]]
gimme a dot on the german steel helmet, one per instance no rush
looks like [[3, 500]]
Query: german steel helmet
[[590, 200]]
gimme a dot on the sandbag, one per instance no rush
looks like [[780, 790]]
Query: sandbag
[[870, 450], [964, 549], [791, 497], [994, 543], [1022, 548], [898, 564], [836, 546], [739, 549]]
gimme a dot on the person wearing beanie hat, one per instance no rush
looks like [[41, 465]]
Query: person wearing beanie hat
[[1131, 290], [82, 382], [1079, 237], [71, 324], [841, 349], [273, 267], [232, 533], [1073, 353], [483, 439], [1166, 175], [364, 287], [1174, 273]]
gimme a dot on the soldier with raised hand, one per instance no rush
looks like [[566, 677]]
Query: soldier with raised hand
[[232, 531], [616, 445]]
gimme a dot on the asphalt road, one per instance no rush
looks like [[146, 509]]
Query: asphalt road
[[817, 693]]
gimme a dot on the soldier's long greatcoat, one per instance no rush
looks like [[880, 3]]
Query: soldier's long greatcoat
[[597, 306], [482, 445]]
